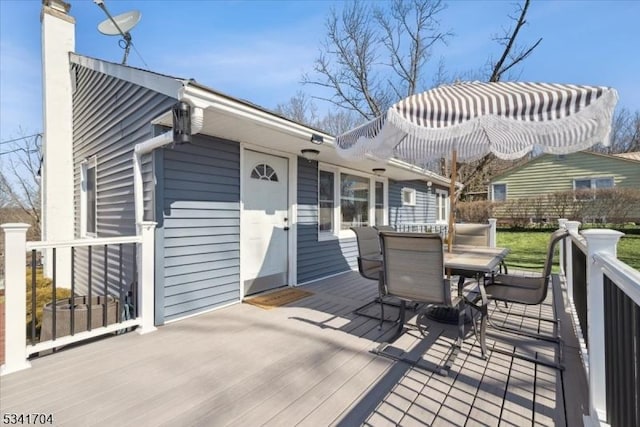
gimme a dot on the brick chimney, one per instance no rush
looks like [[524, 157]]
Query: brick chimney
[[58, 39]]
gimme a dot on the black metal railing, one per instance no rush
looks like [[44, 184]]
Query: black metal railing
[[102, 291], [622, 356], [579, 274]]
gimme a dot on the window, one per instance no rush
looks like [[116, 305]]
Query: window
[[264, 172], [88, 198], [348, 199], [585, 188], [326, 201], [499, 192], [408, 197], [442, 206], [379, 203], [354, 201]]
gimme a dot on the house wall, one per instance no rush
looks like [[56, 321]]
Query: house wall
[[318, 259], [110, 116], [200, 221], [424, 209], [550, 174]]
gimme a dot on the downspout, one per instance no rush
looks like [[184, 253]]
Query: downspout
[[197, 121]]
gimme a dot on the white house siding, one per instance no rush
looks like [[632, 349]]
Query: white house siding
[[200, 221], [110, 116]]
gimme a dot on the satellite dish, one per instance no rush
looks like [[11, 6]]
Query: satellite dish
[[120, 24]]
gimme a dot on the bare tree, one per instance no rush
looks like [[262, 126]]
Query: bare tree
[[299, 108], [371, 56], [625, 133], [19, 177], [474, 175]]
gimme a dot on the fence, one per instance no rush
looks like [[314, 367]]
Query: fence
[[116, 292], [604, 294]]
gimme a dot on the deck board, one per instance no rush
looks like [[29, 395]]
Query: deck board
[[309, 363]]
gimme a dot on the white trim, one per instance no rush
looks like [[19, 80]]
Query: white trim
[[157, 82], [337, 232], [412, 196], [327, 277], [85, 165], [292, 200], [446, 200]]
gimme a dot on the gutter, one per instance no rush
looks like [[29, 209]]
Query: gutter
[[197, 122]]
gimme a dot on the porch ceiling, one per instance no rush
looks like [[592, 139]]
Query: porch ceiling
[[242, 127]]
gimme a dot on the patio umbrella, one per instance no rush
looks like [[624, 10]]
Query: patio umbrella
[[471, 119]]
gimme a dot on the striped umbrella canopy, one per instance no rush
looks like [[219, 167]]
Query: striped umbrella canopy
[[471, 119]]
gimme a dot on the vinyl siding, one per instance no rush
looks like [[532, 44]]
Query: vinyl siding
[[201, 225], [424, 209], [550, 173], [318, 259], [110, 116]]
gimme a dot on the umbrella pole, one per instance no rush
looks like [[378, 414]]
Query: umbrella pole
[[452, 198]]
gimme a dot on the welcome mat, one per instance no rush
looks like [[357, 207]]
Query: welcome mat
[[278, 298]]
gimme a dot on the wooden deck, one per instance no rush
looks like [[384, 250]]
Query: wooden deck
[[308, 363]]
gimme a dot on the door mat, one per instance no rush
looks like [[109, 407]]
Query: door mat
[[278, 298]]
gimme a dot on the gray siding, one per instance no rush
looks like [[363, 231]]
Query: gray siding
[[110, 116], [424, 209], [201, 226], [317, 259]]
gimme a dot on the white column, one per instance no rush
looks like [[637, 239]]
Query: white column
[[15, 297], [562, 222], [493, 222], [146, 276], [602, 242], [572, 227], [58, 39]]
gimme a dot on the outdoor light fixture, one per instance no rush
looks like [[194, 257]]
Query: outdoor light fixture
[[317, 139], [181, 123], [429, 184], [379, 171], [310, 153]]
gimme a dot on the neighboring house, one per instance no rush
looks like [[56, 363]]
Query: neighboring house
[[580, 171], [239, 210]]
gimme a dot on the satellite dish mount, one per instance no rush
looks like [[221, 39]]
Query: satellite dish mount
[[119, 25]]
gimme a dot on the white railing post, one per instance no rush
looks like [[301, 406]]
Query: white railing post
[[493, 223], [572, 227], [603, 242], [146, 278], [15, 297], [562, 222]]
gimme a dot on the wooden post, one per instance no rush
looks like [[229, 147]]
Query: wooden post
[[493, 234], [452, 197], [15, 296], [562, 225]]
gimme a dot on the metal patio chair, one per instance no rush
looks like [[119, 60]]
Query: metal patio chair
[[413, 271], [521, 289]]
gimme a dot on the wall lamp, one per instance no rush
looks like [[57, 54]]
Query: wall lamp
[[379, 171], [317, 139], [310, 153]]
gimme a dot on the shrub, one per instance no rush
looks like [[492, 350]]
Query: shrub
[[478, 211]]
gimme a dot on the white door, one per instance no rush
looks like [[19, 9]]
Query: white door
[[265, 224]]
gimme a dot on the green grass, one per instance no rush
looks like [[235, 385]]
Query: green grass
[[529, 249]]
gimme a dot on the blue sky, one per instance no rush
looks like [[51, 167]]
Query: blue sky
[[258, 50]]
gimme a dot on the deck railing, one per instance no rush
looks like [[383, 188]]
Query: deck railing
[[110, 282], [604, 294]]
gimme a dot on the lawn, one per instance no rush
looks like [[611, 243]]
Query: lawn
[[529, 249]]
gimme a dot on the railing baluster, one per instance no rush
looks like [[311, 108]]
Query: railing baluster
[[73, 291], [135, 285], [33, 296], [89, 293], [122, 305], [53, 298], [106, 288]]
